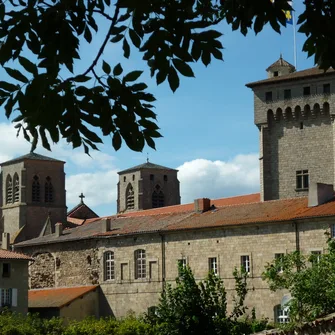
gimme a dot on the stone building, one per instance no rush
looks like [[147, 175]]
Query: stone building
[[147, 186], [133, 254]]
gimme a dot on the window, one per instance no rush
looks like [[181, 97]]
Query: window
[[16, 188], [213, 265], [165, 177], [181, 265], [282, 314], [275, 73], [268, 96], [307, 90], [130, 202], [133, 177], [6, 297], [140, 264], [326, 88], [35, 190], [287, 94], [48, 190], [302, 180], [152, 177], [332, 230], [6, 270], [109, 265], [9, 190], [280, 258], [124, 178], [315, 257], [158, 198], [245, 263]]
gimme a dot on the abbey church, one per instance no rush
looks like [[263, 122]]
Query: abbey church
[[130, 256]]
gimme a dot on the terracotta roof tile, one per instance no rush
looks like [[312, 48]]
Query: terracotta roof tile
[[226, 213], [56, 297], [312, 72], [281, 63], [75, 221], [7, 254]]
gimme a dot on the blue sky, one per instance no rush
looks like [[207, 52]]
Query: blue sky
[[208, 128]]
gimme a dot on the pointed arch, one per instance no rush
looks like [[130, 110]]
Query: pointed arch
[[130, 198], [35, 189], [9, 190], [48, 190], [16, 182], [158, 199]]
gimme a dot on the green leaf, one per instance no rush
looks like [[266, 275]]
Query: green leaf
[[81, 78], [173, 79], [28, 65], [116, 141], [132, 76], [135, 38], [16, 74], [126, 48], [44, 138], [117, 70], [8, 86], [117, 38], [139, 87], [88, 35], [206, 57], [106, 67], [150, 142], [183, 67], [161, 76]]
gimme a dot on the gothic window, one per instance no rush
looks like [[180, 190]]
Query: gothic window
[[16, 188], [140, 264], [48, 190], [130, 204], [157, 197], [9, 190], [35, 190], [109, 265]]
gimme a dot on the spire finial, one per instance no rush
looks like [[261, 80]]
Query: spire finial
[[81, 198], [281, 56], [147, 157]]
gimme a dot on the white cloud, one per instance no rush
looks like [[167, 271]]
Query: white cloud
[[99, 188], [201, 178]]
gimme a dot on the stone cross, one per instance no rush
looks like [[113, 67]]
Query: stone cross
[[81, 198]]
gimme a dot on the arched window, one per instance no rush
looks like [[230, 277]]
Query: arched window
[[16, 188], [48, 190], [140, 264], [9, 190], [109, 265], [35, 190], [157, 197], [130, 204]]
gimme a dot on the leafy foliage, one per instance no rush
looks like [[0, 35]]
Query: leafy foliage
[[201, 308], [48, 98], [310, 281]]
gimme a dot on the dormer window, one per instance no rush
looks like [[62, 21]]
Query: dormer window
[[268, 96], [275, 74]]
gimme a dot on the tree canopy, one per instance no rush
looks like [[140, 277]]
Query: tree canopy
[[47, 97]]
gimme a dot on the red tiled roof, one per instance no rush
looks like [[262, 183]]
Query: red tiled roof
[[7, 254], [312, 72], [75, 221], [185, 208], [56, 297]]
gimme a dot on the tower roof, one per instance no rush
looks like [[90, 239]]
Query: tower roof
[[148, 166], [281, 63], [31, 156]]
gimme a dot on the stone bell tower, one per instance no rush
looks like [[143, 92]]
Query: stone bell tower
[[147, 186], [33, 189]]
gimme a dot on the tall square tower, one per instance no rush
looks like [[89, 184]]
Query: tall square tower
[[294, 112]]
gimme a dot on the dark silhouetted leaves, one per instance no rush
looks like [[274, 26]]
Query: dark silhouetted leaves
[[117, 70], [106, 67], [183, 67], [173, 79], [132, 76]]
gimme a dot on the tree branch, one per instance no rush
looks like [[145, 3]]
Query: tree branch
[[103, 14]]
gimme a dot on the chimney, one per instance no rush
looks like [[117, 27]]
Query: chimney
[[106, 225], [202, 205], [58, 229], [319, 194], [5, 241]]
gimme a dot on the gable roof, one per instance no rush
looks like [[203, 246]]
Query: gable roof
[[308, 73], [147, 165], [81, 207], [30, 156], [238, 214], [7, 254], [56, 297]]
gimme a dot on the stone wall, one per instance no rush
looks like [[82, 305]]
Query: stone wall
[[42, 271], [81, 262], [295, 134]]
